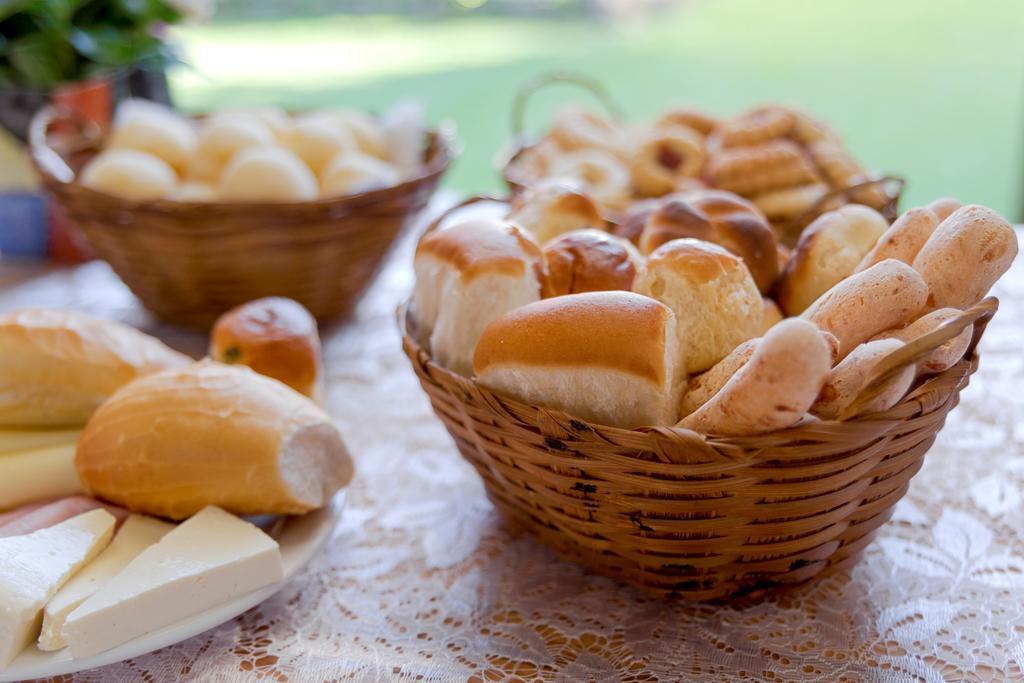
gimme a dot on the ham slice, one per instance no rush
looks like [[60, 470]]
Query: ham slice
[[35, 516]]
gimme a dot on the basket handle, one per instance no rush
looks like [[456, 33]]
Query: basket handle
[[530, 88], [46, 158], [889, 366], [892, 185]]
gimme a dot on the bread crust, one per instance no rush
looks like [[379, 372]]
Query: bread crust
[[589, 261]]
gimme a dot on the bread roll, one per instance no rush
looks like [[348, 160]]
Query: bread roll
[[355, 172], [773, 389], [770, 314], [850, 377], [275, 119], [903, 239], [223, 137], [276, 337], [829, 249], [606, 357], [267, 174], [552, 209], [589, 261], [130, 174], [945, 355], [317, 142], [714, 298], [720, 217], [965, 256], [212, 434], [663, 158], [466, 276], [155, 129], [943, 207], [57, 367], [790, 202], [886, 295], [702, 387]]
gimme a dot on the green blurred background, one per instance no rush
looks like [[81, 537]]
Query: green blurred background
[[929, 89]]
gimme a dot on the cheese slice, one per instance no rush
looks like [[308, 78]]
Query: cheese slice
[[43, 474], [15, 440], [136, 534], [206, 560], [34, 566]]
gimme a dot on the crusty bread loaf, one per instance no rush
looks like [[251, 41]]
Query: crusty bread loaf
[[829, 249], [212, 434], [57, 367], [903, 239], [466, 276], [551, 209], [770, 314], [773, 389], [887, 295], [716, 303], [947, 354], [851, 376], [589, 261], [720, 217], [606, 357], [274, 336], [943, 207], [965, 256]]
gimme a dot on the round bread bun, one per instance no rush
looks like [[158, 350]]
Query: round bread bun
[[153, 128], [553, 208], [274, 118], [589, 261], [355, 172], [317, 142], [129, 173], [720, 217], [267, 174], [715, 300], [221, 138], [366, 130]]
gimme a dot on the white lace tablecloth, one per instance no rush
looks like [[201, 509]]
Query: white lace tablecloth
[[422, 583]]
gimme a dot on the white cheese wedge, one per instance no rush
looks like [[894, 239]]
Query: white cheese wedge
[[43, 474], [34, 566], [136, 534], [206, 560], [15, 440]]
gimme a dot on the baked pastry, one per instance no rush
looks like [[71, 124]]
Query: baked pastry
[[850, 377], [720, 217], [771, 314], [790, 203], [57, 367], [715, 300], [691, 118], [943, 207], [223, 137], [129, 173], [829, 249], [749, 171], [355, 172], [903, 239], [664, 158], [605, 357], [574, 128], [755, 127], [466, 276], [553, 208], [276, 337], [946, 355], [267, 174], [702, 387], [630, 225], [600, 173], [965, 255], [317, 142], [155, 129], [589, 261], [212, 434]]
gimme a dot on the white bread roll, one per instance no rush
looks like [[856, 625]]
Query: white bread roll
[[849, 378], [887, 295], [773, 389], [829, 249], [267, 174], [221, 139], [155, 129], [355, 172], [274, 118], [57, 367], [715, 300], [211, 434], [945, 355], [552, 209], [965, 256], [466, 276], [903, 239], [129, 173], [589, 261], [606, 357], [317, 142]]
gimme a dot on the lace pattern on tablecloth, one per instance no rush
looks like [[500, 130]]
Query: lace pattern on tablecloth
[[421, 582]]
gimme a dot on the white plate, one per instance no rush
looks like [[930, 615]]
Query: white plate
[[300, 538]]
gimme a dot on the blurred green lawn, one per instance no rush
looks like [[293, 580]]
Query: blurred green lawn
[[929, 89]]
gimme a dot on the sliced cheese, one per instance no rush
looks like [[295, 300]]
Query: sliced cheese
[[33, 567], [207, 560], [15, 440], [136, 534], [42, 474]]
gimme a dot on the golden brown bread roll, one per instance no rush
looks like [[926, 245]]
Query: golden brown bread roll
[[589, 261], [887, 295], [749, 171], [903, 239], [631, 224], [714, 298], [790, 202], [771, 314], [276, 337], [965, 256], [606, 357], [829, 249], [850, 377], [466, 276], [719, 217], [945, 355], [943, 207], [664, 158], [773, 389], [171, 443], [551, 209], [57, 367]]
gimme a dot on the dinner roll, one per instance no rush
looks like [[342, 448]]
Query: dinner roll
[[153, 128], [605, 357], [274, 118], [274, 336], [829, 249], [267, 174], [317, 142], [223, 137], [714, 298], [367, 131], [720, 217], [355, 172], [130, 174], [850, 377], [887, 295], [553, 208], [965, 256], [945, 355], [903, 239], [770, 314], [466, 276], [589, 261]]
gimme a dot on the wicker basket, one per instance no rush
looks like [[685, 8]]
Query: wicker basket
[[189, 262], [677, 513]]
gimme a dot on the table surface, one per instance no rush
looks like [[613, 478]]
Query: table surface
[[422, 582]]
